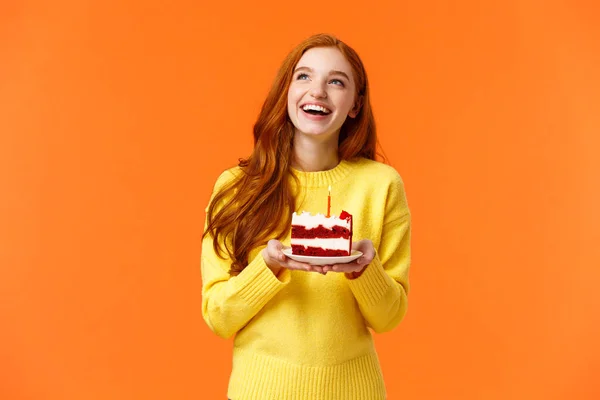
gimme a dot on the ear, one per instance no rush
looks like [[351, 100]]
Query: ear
[[357, 105]]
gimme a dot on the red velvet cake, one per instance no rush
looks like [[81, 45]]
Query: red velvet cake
[[321, 236]]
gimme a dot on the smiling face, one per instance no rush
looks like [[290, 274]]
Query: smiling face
[[322, 93]]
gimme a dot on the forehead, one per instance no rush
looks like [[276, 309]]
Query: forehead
[[325, 59]]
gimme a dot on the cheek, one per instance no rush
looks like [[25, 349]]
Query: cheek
[[293, 95], [290, 105], [345, 104]]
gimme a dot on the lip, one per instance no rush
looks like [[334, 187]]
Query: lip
[[316, 103], [314, 117]]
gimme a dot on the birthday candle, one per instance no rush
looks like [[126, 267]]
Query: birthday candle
[[329, 202]]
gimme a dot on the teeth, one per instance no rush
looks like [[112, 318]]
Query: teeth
[[315, 108]]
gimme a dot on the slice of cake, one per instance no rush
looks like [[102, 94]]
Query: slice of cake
[[321, 236]]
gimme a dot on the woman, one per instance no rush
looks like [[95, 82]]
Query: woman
[[301, 331]]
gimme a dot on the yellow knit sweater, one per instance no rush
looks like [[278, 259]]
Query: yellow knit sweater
[[304, 335]]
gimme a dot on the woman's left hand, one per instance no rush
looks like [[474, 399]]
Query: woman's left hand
[[366, 247]]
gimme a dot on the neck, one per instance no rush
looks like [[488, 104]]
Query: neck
[[314, 154]]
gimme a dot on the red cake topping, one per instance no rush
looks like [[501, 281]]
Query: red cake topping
[[344, 215]]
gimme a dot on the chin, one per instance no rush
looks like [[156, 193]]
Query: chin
[[316, 130]]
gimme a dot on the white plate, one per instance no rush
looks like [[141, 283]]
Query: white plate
[[322, 260]]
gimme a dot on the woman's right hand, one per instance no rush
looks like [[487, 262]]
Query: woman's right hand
[[275, 259]]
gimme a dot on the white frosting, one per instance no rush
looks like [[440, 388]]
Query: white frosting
[[310, 221], [329, 243]]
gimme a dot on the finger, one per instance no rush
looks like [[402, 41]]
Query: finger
[[341, 267], [350, 267], [277, 256], [357, 244], [362, 260], [315, 268], [275, 252], [366, 247], [297, 265], [292, 264], [348, 270]]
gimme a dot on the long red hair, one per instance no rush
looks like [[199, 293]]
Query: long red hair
[[260, 199]]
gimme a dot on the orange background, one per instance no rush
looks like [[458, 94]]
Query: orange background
[[116, 119]]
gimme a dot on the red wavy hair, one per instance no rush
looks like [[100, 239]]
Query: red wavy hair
[[261, 197]]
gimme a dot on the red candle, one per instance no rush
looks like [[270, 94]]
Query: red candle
[[329, 202]]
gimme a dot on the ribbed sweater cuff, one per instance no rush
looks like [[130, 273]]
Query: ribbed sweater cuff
[[256, 284], [372, 285]]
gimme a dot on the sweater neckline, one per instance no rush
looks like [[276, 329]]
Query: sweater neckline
[[324, 178]]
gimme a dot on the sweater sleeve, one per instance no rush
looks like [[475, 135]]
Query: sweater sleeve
[[381, 290], [230, 302]]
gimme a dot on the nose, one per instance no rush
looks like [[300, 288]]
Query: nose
[[318, 90]]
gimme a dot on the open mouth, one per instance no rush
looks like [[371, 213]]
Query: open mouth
[[313, 109]]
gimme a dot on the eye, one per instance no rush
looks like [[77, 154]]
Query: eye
[[302, 76], [337, 82]]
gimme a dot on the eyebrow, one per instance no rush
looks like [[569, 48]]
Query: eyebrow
[[332, 72]]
